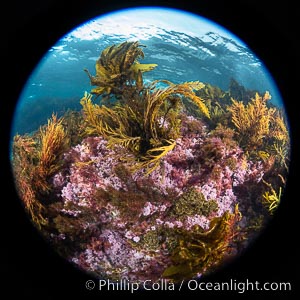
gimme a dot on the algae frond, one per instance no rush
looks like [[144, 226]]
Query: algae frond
[[198, 250], [146, 119], [35, 159]]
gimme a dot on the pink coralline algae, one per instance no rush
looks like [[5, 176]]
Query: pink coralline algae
[[128, 238], [90, 169]]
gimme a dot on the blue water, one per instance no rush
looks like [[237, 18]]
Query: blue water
[[58, 82]]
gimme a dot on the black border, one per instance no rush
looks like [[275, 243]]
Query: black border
[[29, 267]]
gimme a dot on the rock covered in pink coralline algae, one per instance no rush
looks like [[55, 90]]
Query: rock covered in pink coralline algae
[[131, 215]]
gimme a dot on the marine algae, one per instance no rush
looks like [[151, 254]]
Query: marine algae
[[199, 250], [252, 121], [192, 203], [53, 143], [271, 199], [24, 160], [147, 123], [117, 67], [35, 160]]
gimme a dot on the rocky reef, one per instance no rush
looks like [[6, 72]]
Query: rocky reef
[[157, 181]]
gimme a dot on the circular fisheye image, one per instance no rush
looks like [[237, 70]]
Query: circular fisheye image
[[150, 145]]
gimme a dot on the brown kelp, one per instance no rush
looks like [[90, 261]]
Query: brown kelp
[[146, 122], [36, 159], [117, 67], [256, 122], [198, 250]]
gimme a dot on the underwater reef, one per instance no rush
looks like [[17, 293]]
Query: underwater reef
[[153, 181]]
